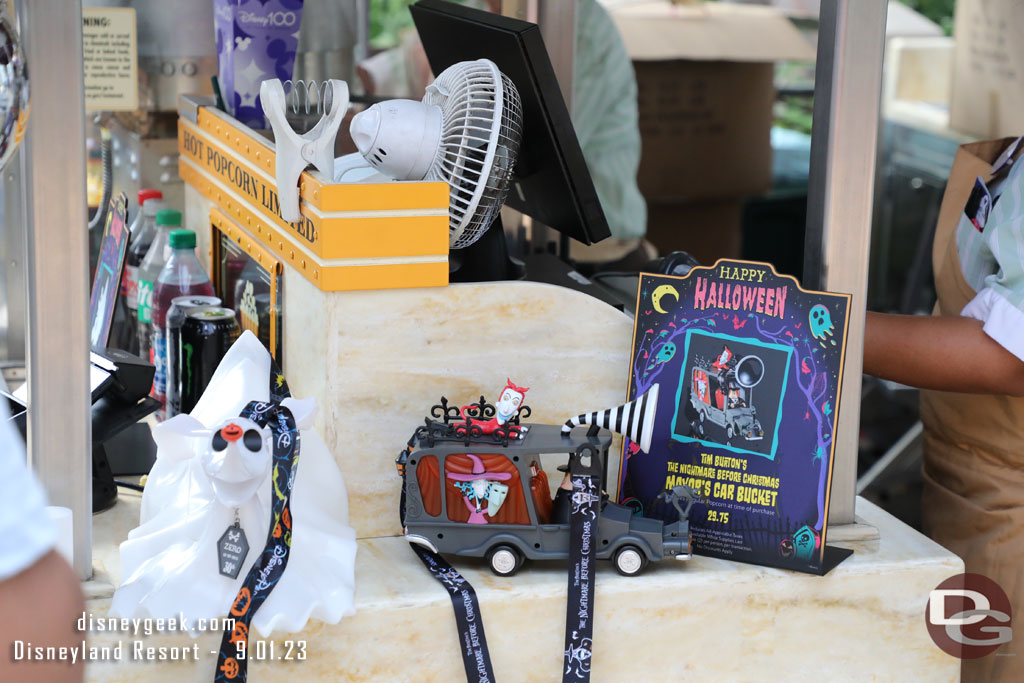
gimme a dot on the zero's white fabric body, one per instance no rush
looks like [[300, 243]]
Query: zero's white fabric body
[[169, 562]]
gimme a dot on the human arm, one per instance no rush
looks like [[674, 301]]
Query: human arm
[[947, 353], [41, 606], [40, 599]]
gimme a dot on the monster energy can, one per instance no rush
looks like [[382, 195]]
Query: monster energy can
[[206, 336], [180, 306]]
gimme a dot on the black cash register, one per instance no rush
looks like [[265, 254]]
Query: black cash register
[[120, 384]]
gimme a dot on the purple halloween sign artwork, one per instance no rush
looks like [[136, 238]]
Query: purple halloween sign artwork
[[751, 367]]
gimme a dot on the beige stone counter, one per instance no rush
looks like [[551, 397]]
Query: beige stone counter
[[376, 362], [702, 620]]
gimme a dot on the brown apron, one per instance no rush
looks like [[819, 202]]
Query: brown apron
[[974, 451]]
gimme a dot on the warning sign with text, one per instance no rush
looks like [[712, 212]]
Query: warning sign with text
[[110, 59]]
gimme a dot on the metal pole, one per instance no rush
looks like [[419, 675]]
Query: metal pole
[[13, 297], [12, 266], [57, 265], [851, 41], [362, 49], [557, 21]]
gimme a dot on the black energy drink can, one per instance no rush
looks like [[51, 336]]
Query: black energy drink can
[[206, 336], [180, 306]]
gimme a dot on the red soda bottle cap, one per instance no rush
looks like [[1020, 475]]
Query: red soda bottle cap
[[149, 194]]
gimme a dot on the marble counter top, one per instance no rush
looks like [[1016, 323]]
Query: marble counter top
[[376, 362], [706, 619]]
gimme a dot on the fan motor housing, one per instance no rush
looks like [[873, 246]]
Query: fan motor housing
[[386, 135]]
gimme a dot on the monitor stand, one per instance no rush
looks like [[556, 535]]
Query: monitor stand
[[485, 260], [110, 418], [488, 260]]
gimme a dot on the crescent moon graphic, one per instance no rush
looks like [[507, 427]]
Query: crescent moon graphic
[[661, 291]]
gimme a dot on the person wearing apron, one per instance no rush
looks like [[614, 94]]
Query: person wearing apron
[[969, 360]]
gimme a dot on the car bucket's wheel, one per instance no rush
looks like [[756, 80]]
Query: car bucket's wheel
[[629, 560], [505, 560], [729, 432]]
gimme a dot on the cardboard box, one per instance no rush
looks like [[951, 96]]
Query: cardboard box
[[709, 230], [988, 68], [706, 88]]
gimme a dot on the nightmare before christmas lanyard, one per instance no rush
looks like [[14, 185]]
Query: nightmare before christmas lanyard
[[475, 656], [266, 571], [473, 643], [579, 611], [579, 617]]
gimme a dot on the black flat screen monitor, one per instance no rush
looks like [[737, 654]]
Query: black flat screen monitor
[[551, 182]]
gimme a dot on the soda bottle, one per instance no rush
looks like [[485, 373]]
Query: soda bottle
[[141, 233], [149, 270], [182, 276]]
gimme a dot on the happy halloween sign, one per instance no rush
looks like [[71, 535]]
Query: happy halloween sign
[[750, 370], [718, 292]]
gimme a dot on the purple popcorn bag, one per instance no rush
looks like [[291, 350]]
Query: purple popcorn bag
[[256, 40]]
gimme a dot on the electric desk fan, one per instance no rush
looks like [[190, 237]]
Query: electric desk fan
[[466, 132]]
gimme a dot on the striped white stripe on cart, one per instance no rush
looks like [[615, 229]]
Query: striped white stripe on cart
[[634, 420]]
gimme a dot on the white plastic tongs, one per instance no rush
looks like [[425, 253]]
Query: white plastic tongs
[[295, 152]]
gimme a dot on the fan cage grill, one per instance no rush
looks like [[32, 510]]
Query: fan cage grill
[[480, 137]]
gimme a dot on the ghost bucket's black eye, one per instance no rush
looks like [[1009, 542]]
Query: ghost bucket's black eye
[[219, 442], [253, 440]]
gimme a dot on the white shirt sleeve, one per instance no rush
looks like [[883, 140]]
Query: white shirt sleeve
[[1004, 322], [26, 530], [992, 263]]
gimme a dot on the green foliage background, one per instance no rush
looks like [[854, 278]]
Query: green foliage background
[[939, 11], [388, 18]]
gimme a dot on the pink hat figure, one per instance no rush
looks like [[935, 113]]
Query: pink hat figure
[[479, 486]]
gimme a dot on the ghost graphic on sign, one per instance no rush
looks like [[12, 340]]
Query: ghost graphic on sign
[[665, 353], [821, 324]]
